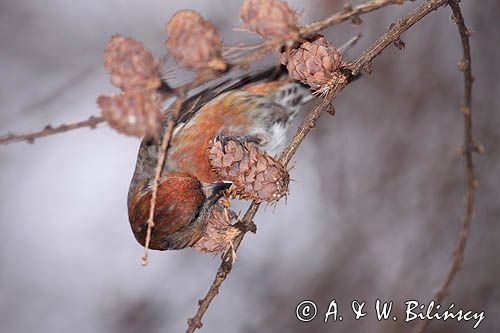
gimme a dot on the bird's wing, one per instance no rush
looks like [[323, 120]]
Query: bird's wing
[[191, 105]]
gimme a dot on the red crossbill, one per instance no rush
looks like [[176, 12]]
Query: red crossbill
[[189, 188]]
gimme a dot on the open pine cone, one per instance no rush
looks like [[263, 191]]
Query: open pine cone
[[131, 65], [132, 113], [315, 63], [194, 42], [220, 232], [269, 18], [255, 175]]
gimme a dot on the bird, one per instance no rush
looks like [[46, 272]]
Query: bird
[[257, 108]]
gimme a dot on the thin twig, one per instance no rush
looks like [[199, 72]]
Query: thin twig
[[222, 273], [92, 122], [348, 13], [469, 147], [172, 115], [394, 33], [365, 59]]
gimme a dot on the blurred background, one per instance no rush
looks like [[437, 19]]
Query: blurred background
[[374, 212]]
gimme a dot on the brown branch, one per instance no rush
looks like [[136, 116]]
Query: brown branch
[[172, 115], [394, 33], [92, 122], [261, 49], [241, 62], [247, 221], [469, 147]]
